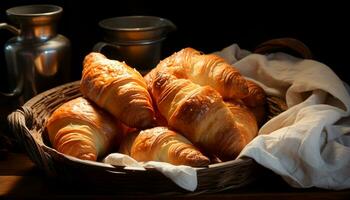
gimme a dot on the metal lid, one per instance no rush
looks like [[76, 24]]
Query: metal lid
[[131, 29], [38, 14]]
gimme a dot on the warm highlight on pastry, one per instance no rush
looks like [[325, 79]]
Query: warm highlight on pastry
[[79, 128], [244, 118], [206, 69], [200, 114], [256, 95], [119, 89], [256, 101], [162, 144]]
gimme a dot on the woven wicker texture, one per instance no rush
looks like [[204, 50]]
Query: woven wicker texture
[[28, 124]]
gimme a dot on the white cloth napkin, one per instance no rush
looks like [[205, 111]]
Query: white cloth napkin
[[309, 144], [183, 176]]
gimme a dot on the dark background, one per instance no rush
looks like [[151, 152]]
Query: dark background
[[322, 26]]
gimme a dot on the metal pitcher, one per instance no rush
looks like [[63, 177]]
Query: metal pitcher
[[37, 58], [134, 39]]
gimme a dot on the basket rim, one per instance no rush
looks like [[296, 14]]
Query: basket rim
[[39, 96]]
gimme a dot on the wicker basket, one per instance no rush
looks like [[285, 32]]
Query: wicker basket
[[28, 124]]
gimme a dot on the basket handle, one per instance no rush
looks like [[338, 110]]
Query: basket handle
[[20, 121], [281, 44]]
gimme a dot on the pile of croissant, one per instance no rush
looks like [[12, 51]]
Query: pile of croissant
[[191, 109]]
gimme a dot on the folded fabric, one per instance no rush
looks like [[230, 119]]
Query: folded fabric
[[309, 144], [183, 176]]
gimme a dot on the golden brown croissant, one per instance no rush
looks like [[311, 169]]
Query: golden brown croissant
[[244, 118], [207, 69], [256, 95], [162, 144], [256, 101], [81, 129], [117, 88], [200, 114]]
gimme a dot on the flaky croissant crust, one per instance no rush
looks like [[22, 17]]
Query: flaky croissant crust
[[206, 69], [199, 113], [163, 144], [81, 129], [117, 88]]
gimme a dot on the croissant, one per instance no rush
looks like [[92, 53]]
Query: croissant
[[256, 101], [81, 129], [162, 144], [117, 88], [204, 70], [256, 95], [200, 114], [244, 118]]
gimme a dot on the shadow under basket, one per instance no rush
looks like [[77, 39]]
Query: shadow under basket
[[28, 124]]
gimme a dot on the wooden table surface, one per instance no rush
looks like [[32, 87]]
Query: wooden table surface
[[21, 179]]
